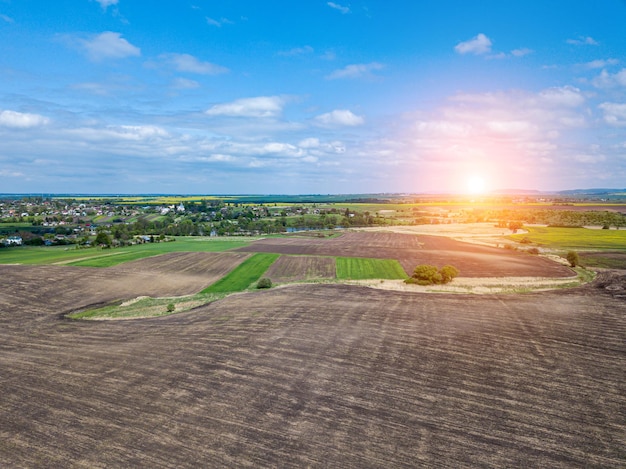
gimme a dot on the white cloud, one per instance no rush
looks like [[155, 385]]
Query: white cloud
[[583, 41], [185, 84], [562, 96], [119, 133], [355, 71], [218, 23], [310, 142], [260, 106], [587, 158], [341, 8], [189, 63], [521, 52], [109, 45], [20, 120], [296, 51], [510, 137], [9, 173], [608, 80], [106, 3], [339, 117], [600, 63], [479, 44], [614, 113]]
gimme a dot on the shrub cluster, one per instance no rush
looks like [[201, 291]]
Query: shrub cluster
[[264, 283], [429, 275], [572, 258]]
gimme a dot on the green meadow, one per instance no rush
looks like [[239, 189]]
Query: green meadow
[[244, 275], [574, 238], [98, 257]]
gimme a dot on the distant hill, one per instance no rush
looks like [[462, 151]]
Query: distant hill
[[592, 191]]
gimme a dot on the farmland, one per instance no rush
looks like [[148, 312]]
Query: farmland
[[575, 238], [310, 375]]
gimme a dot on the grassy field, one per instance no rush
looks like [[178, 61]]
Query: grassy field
[[357, 268], [574, 238], [248, 272], [96, 257]]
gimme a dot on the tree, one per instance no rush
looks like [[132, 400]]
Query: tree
[[425, 274], [103, 239], [448, 272], [572, 258], [264, 282]]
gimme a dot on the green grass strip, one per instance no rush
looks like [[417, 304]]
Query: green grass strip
[[358, 268], [242, 276], [97, 257], [574, 238]]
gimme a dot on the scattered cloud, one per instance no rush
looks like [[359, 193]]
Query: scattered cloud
[[185, 84], [480, 44], [510, 136], [189, 63], [565, 96], [614, 114], [9, 173], [108, 45], [329, 55], [218, 23], [6, 18], [339, 117], [521, 52], [583, 41], [341, 8], [310, 142], [21, 120], [600, 63], [260, 106], [610, 80], [296, 51], [106, 3], [355, 71]]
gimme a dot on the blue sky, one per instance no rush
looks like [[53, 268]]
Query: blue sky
[[286, 97]]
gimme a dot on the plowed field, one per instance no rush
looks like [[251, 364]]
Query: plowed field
[[307, 375], [296, 268], [410, 250]]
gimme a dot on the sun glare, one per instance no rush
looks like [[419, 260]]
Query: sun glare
[[476, 185]]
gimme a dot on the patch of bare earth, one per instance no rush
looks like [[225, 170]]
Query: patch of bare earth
[[313, 376], [298, 268]]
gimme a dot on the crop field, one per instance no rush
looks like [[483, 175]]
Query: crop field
[[298, 268], [410, 250], [357, 268], [97, 257], [243, 275], [575, 238], [309, 375]]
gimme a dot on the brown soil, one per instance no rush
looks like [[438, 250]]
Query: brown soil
[[297, 268], [410, 250], [307, 375]]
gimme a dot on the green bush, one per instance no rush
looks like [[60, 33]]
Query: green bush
[[425, 274], [264, 283], [572, 258], [448, 272], [171, 307]]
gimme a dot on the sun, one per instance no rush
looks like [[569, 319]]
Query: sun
[[476, 185]]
